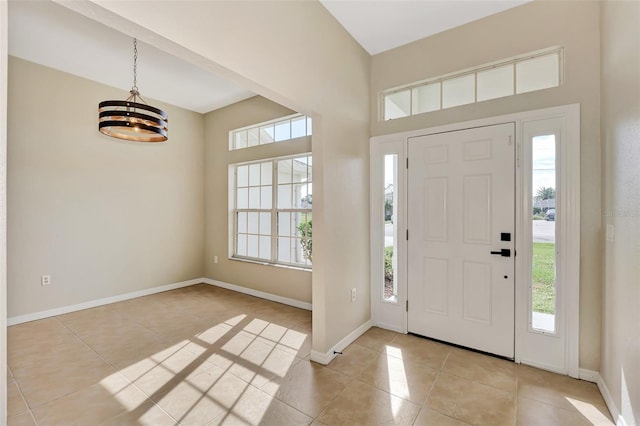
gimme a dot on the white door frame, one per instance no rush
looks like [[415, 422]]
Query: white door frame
[[4, 61], [394, 316]]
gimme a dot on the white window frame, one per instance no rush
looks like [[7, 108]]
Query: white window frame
[[257, 126], [558, 351], [390, 315], [274, 211], [439, 80]]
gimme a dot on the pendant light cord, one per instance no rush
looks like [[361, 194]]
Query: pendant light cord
[[135, 94], [135, 65]]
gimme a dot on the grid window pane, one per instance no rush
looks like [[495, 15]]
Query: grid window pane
[[241, 245], [242, 176], [309, 126], [265, 174], [295, 224], [299, 172], [284, 251], [265, 223], [242, 198], [284, 196], [254, 198], [284, 224], [296, 250], [253, 137], [495, 83], [266, 134], [283, 131], [242, 222], [397, 105], [254, 174], [299, 195], [284, 171], [265, 197], [298, 127], [458, 91], [252, 227], [538, 73], [264, 251], [425, 98], [252, 246], [241, 139]]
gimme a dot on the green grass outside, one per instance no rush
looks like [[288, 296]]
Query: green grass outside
[[544, 277]]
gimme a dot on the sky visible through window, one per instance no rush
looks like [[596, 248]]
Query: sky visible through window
[[544, 162]]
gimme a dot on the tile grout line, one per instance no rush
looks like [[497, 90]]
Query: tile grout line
[[433, 385], [351, 379], [26, 404], [117, 372]]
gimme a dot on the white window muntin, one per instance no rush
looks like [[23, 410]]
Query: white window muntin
[[268, 214], [410, 89], [277, 130]]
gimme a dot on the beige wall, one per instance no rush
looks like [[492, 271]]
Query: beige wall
[[620, 365], [286, 282], [296, 54], [530, 27], [102, 216]]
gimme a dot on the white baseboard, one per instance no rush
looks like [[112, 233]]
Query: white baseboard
[[611, 405], [98, 302], [146, 292], [260, 294], [589, 375], [542, 366], [327, 357], [389, 327]]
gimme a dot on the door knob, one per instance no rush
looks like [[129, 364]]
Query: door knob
[[502, 252]]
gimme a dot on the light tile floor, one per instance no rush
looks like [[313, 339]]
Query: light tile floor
[[202, 355]]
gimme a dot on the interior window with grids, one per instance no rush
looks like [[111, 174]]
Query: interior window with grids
[[272, 211]]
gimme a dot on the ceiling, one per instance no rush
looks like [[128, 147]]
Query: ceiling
[[380, 25], [49, 34]]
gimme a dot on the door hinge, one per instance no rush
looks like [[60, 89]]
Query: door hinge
[[407, 235], [407, 162], [407, 306]]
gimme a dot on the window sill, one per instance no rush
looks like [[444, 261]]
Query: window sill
[[277, 265]]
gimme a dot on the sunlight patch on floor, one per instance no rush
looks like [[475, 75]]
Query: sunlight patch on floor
[[590, 412], [397, 382], [218, 371]]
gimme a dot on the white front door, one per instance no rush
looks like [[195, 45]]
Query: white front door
[[461, 222]]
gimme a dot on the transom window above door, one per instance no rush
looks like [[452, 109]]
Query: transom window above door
[[521, 74]]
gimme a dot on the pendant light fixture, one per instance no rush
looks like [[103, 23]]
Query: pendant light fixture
[[132, 119]]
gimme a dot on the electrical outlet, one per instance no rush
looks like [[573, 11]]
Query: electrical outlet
[[45, 280], [353, 294], [215, 259]]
